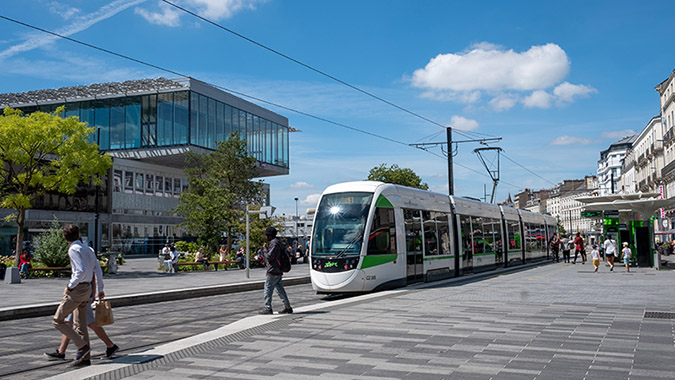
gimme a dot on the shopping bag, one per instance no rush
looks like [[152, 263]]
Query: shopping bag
[[104, 314]]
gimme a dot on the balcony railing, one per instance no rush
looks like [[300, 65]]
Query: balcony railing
[[668, 170]]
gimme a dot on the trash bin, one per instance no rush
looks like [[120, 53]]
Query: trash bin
[[112, 263]]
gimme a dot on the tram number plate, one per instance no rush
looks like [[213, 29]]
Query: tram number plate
[[369, 278]]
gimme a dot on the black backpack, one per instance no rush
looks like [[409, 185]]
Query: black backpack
[[284, 261]]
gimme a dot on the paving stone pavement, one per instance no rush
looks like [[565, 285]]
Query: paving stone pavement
[[557, 321]]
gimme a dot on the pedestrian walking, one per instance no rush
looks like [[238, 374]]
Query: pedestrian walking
[[566, 248], [579, 249], [554, 243], [97, 284], [274, 273], [595, 255], [626, 253], [76, 296], [610, 251]]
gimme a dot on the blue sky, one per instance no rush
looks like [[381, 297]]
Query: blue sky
[[558, 81]]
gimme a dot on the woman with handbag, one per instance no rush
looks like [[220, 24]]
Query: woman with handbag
[[96, 289]]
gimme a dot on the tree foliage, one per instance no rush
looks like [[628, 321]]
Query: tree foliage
[[44, 152], [52, 247], [396, 175], [219, 189]]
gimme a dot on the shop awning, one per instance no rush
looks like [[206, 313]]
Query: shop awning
[[644, 207], [669, 232], [617, 197]]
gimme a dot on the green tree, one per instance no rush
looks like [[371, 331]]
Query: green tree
[[561, 228], [394, 174], [44, 152], [219, 189], [52, 247]]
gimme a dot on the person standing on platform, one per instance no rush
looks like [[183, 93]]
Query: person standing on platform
[[579, 248], [595, 255], [555, 247], [274, 273], [565, 245], [610, 251], [626, 253], [76, 296]]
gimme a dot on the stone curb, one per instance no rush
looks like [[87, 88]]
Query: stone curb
[[41, 310]]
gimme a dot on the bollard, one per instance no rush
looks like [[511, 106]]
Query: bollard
[[12, 275]]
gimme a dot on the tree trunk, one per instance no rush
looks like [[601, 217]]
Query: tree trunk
[[20, 220], [229, 239]]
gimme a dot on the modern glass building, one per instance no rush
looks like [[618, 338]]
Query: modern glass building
[[147, 126]]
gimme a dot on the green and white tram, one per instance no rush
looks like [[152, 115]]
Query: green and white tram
[[371, 235]]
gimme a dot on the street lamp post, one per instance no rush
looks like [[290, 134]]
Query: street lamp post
[[296, 218]]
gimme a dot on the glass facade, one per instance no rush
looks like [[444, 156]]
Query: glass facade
[[176, 118]]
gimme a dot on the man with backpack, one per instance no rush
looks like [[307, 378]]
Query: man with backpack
[[278, 263]]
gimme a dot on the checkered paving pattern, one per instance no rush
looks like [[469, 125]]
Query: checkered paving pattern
[[554, 322]]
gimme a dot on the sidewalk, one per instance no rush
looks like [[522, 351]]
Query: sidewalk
[[137, 281], [525, 324]]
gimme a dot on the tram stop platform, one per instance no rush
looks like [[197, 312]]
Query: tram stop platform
[[555, 321]]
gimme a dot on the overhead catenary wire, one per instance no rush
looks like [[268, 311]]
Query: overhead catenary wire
[[338, 80], [179, 74]]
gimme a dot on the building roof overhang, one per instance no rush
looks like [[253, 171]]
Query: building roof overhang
[[174, 156]]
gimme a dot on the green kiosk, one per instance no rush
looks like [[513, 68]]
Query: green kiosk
[[628, 217]]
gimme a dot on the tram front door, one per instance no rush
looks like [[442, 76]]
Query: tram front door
[[413, 237]]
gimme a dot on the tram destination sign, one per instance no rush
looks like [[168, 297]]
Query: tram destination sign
[[591, 214], [611, 213]]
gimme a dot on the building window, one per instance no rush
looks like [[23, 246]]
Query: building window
[[128, 182]]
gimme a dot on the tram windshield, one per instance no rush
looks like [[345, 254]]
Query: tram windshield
[[339, 224]]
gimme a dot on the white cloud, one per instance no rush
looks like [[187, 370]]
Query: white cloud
[[168, 15], [462, 123], [618, 134], [488, 67], [79, 24], [538, 99], [505, 75], [311, 200], [571, 140], [214, 10], [301, 185], [63, 10], [503, 102], [566, 92]]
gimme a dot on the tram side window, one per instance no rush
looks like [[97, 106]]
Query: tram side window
[[514, 235], [529, 238], [478, 235], [544, 240], [488, 237], [443, 233], [430, 233], [413, 230], [382, 238], [465, 225]]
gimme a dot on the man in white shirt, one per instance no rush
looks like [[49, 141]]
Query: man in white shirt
[[610, 251], [76, 295]]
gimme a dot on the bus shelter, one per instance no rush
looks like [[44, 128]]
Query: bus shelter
[[631, 220]]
